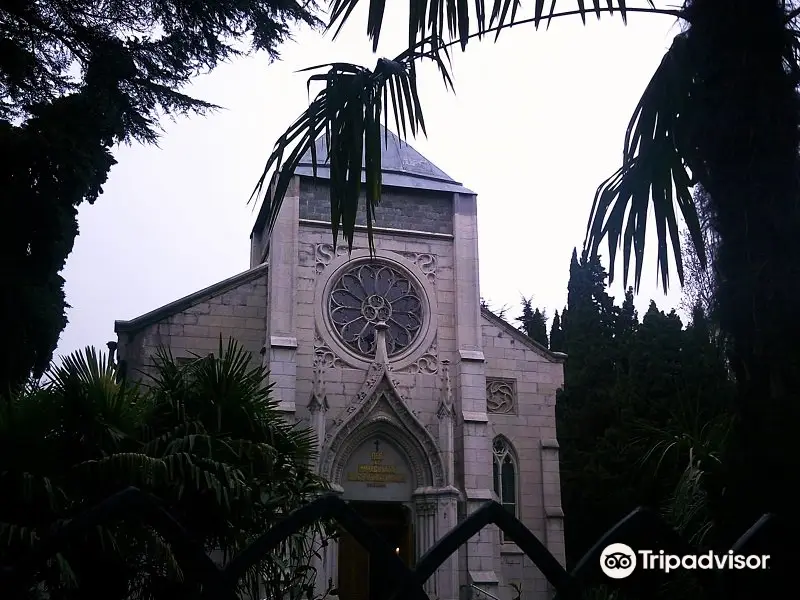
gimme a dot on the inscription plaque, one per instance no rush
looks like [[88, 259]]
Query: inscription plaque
[[376, 474]]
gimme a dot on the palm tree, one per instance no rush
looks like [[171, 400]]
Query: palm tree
[[721, 110], [205, 437]]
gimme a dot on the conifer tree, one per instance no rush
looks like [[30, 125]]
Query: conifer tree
[[533, 322], [585, 408], [631, 389], [77, 79], [556, 335]]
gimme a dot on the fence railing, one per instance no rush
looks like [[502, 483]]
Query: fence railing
[[220, 583]]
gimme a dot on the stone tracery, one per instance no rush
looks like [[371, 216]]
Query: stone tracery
[[368, 294], [501, 395]]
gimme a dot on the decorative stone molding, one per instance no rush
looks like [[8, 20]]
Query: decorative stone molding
[[418, 446], [330, 340], [445, 408], [501, 395], [428, 363], [324, 356], [445, 413], [380, 408], [318, 401], [425, 262], [325, 253], [425, 508], [317, 406]]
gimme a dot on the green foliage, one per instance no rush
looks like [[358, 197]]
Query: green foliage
[[533, 323], [700, 283], [499, 311], [203, 436], [643, 416], [145, 52], [556, 335], [76, 78], [349, 111]]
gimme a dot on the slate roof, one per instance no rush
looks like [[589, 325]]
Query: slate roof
[[402, 166]]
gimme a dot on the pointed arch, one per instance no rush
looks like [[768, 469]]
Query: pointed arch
[[505, 474], [379, 409], [382, 426]]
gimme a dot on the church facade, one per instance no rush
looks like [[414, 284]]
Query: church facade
[[424, 403]]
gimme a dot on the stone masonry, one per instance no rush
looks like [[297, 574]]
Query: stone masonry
[[399, 209], [235, 308], [469, 380]]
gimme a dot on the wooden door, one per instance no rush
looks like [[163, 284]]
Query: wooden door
[[353, 569]]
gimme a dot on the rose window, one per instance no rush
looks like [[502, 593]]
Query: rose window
[[373, 293]]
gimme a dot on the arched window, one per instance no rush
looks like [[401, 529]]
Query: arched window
[[505, 474]]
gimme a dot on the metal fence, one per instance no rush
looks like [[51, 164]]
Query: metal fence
[[642, 528]]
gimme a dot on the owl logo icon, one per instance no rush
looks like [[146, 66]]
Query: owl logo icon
[[617, 561]]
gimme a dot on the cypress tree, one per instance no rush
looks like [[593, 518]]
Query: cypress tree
[[533, 323], [629, 386], [556, 335]]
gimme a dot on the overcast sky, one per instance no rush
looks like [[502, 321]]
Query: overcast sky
[[537, 122]]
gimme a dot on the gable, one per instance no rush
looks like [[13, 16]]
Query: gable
[[489, 318], [201, 296]]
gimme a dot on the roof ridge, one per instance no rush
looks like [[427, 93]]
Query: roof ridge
[[397, 156]]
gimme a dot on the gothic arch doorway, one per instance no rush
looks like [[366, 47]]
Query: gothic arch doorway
[[378, 481]]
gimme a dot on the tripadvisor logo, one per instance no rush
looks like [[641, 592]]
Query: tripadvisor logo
[[618, 561]]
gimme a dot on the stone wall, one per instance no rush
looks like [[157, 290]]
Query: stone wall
[[342, 380], [400, 208], [517, 369], [238, 312], [430, 259]]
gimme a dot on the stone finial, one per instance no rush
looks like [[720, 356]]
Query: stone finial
[[318, 400], [446, 402], [112, 352], [381, 354], [319, 379]]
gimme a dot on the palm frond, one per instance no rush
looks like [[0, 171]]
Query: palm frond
[[89, 402], [350, 108], [349, 111], [215, 449], [655, 174], [453, 18]]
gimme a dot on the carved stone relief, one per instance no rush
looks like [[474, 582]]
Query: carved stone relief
[[501, 395], [424, 262], [331, 351], [428, 363], [325, 357], [379, 404], [425, 508], [325, 253]]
